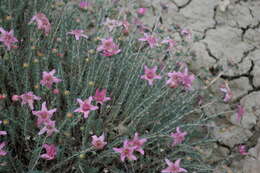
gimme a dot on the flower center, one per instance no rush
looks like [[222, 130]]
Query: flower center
[[48, 78], [44, 115], [86, 107], [150, 75], [28, 97], [126, 151]]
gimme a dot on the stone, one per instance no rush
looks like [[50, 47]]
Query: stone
[[232, 135]]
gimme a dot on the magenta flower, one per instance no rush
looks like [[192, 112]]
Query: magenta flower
[[84, 5], [42, 22], [108, 47], [111, 24], [98, 142], [44, 115], [240, 112], [150, 74], [48, 78], [186, 33], [8, 38], [242, 150], [2, 133], [187, 79], [49, 128], [51, 152], [178, 137], [28, 98], [78, 33], [169, 41], [175, 79], [86, 106], [137, 143], [2, 152], [141, 11], [227, 91], [152, 41], [100, 96], [126, 151], [173, 167]]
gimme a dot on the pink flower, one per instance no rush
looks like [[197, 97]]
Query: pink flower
[[42, 22], [2, 152], [126, 26], [28, 98], [51, 152], [100, 96], [242, 150], [173, 167], [227, 91], [7, 38], [186, 33], [15, 98], [108, 47], [44, 115], [56, 91], [152, 41], [86, 106], [240, 112], [49, 127], [180, 78], [111, 24], [169, 41], [178, 137], [187, 79], [141, 11], [84, 5], [137, 143], [48, 79], [98, 142], [126, 151], [175, 79], [150, 74], [78, 33]]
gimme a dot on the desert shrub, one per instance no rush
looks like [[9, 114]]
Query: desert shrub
[[153, 111]]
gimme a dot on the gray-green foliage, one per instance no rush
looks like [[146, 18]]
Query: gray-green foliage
[[152, 111]]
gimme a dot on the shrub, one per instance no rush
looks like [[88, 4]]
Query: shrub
[[65, 75]]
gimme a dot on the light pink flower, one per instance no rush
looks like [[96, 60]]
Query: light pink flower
[[187, 79], [42, 22], [242, 150], [48, 78], [173, 167], [137, 143], [44, 115], [169, 41], [86, 106], [84, 5], [227, 91], [141, 11], [7, 38], [175, 79], [126, 151], [186, 33], [28, 98], [98, 142], [51, 152], [15, 98], [111, 24], [150, 74], [240, 112], [108, 47], [49, 128], [126, 26], [56, 91], [178, 136], [78, 33], [152, 41], [100, 96], [2, 152]]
